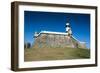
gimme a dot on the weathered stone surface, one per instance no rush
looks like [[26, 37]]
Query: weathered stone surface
[[55, 40]]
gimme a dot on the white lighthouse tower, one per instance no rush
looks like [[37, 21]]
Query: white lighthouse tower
[[68, 29]]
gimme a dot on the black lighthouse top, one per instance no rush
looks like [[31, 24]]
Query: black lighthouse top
[[68, 21]]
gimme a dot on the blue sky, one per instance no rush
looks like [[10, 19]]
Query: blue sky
[[52, 21]]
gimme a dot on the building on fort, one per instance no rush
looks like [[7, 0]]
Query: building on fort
[[57, 39]]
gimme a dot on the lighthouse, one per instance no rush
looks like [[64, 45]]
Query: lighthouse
[[68, 29]]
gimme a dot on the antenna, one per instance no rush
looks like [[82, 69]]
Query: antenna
[[68, 19]]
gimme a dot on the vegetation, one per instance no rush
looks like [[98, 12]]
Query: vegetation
[[39, 54]]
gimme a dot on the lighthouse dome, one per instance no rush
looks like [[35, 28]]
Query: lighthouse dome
[[67, 24]]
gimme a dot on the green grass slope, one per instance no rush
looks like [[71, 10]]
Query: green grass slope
[[41, 54]]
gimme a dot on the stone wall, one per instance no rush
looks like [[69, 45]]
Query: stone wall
[[54, 40]]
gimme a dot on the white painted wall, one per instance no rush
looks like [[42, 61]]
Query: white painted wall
[[5, 40]]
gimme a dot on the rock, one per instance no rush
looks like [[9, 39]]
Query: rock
[[56, 40]]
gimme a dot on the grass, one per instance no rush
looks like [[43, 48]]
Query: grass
[[40, 54]]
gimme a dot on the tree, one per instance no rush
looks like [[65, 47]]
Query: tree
[[27, 45]]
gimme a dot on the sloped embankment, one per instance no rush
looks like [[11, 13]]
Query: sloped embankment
[[40, 54]]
